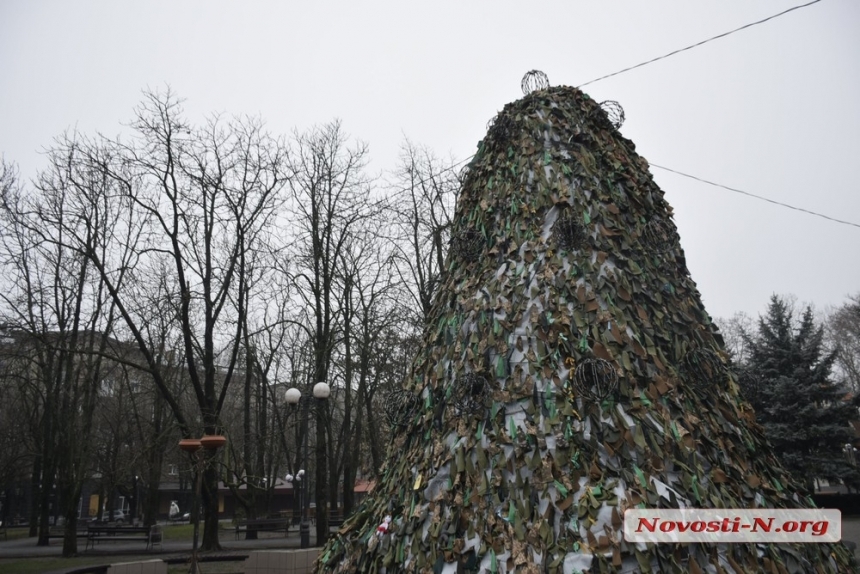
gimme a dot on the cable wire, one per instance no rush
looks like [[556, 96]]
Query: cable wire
[[773, 201], [754, 195], [723, 35]]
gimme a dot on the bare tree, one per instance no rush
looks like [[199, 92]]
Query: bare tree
[[15, 438], [733, 330], [370, 309], [424, 191], [266, 357], [331, 197], [58, 308], [195, 200], [842, 329]]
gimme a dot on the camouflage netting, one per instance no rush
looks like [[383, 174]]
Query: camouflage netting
[[569, 372]]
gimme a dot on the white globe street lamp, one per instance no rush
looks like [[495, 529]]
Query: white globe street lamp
[[294, 397]]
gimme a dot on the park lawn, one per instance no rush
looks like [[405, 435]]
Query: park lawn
[[180, 531], [16, 532], [186, 531]]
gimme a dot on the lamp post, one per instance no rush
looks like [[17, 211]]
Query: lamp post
[[294, 397], [132, 503], [195, 448]]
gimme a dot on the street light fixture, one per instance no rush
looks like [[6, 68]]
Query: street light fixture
[[294, 397], [195, 448]]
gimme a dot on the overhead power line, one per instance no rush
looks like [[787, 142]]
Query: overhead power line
[[723, 35], [754, 195], [773, 201]]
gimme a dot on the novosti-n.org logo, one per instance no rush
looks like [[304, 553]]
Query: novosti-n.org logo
[[732, 525]]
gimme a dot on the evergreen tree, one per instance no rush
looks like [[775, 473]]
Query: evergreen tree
[[804, 414]]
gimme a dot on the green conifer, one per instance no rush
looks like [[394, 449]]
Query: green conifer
[[806, 417]]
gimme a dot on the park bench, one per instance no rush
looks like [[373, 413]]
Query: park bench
[[96, 533], [60, 531], [262, 525], [335, 518], [292, 517]]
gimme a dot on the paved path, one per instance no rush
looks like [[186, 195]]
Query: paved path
[[26, 547], [851, 530]]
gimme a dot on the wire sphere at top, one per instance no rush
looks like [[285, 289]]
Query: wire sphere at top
[[703, 368], [468, 244], [501, 127], [614, 112], [568, 233], [595, 379], [470, 394], [400, 406], [533, 81], [658, 236]]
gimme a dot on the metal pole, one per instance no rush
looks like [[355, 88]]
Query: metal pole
[[305, 528], [194, 566]]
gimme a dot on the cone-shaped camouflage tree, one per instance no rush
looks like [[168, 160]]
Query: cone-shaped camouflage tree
[[569, 371]]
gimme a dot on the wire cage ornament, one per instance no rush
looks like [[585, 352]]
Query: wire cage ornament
[[614, 113], [400, 406], [568, 232], [468, 244], [501, 127], [703, 369], [533, 81], [594, 379], [659, 237], [470, 394]]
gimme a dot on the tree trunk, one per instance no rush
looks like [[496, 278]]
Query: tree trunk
[[321, 486], [210, 507], [70, 535], [150, 508], [35, 496], [373, 433], [350, 467], [44, 512], [349, 473]]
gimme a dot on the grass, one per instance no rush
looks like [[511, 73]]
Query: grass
[[180, 531], [186, 531], [17, 532]]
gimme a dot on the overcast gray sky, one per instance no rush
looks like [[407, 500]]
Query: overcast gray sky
[[772, 110]]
